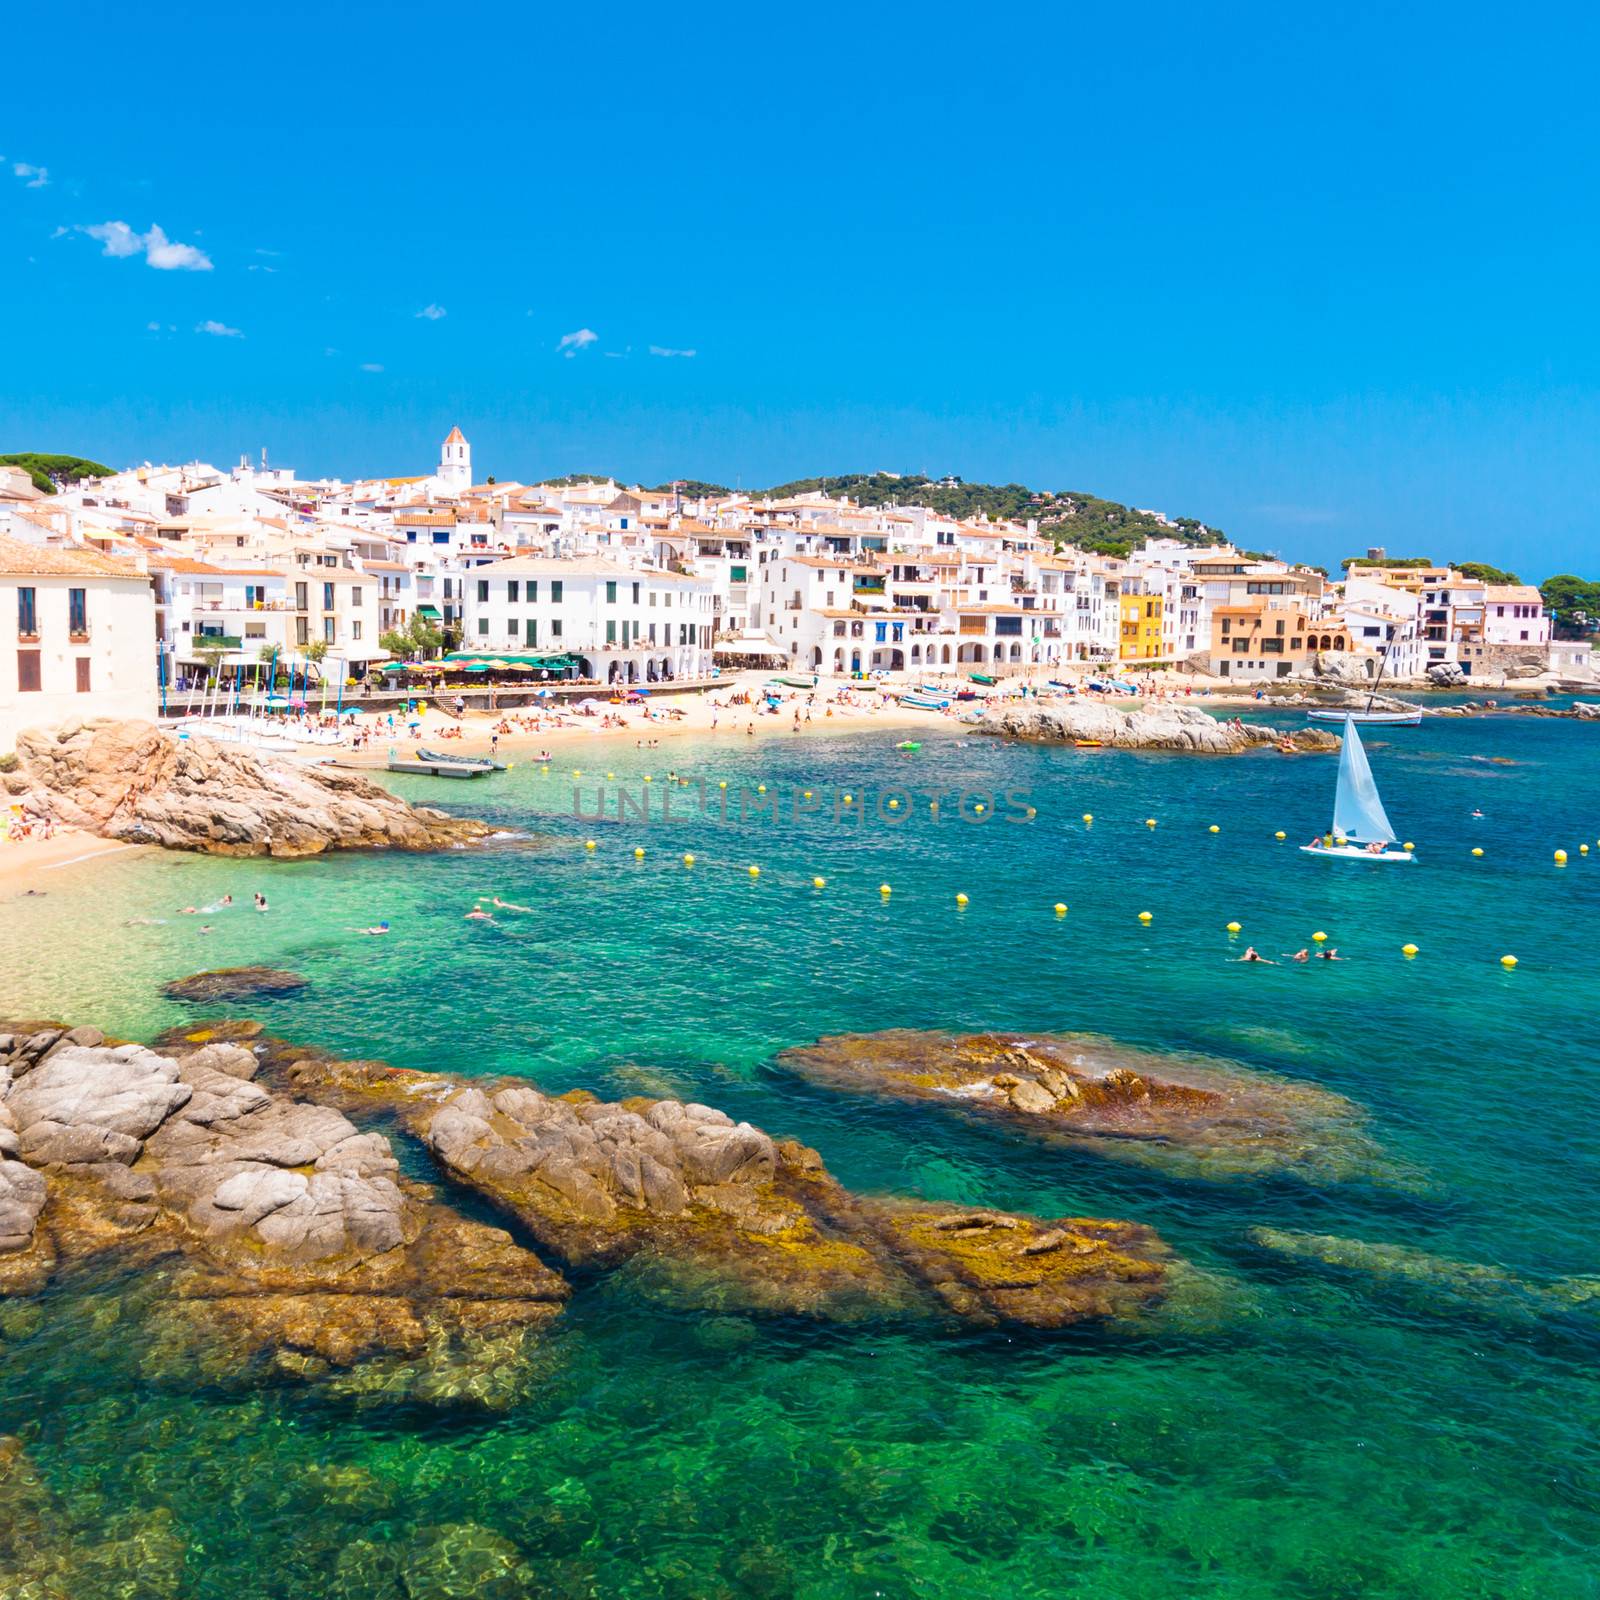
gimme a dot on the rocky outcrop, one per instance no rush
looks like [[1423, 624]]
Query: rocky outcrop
[[1201, 1119], [292, 1241], [131, 781], [234, 983], [1446, 675], [1161, 726], [713, 1213]]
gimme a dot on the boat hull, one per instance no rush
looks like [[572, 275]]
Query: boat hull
[[1370, 719], [1354, 852]]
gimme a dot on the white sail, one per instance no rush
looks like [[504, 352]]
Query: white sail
[[1358, 813]]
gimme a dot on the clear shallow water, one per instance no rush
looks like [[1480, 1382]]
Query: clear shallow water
[[1320, 1434]]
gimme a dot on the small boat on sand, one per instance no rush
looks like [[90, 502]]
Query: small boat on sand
[[919, 700], [421, 766], [488, 763]]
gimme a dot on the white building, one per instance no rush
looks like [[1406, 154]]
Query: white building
[[620, 624], [455, 463], [1514, 614], [77, 637]]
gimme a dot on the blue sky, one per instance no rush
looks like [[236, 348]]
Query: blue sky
[[1322, 280]]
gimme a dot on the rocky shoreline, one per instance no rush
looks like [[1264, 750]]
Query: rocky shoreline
[[132, 782], [1162, 725], [242, 1185]]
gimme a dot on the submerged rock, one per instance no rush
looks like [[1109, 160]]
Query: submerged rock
[[1433, 1283], [234, 983], [716, 1214], [129, 780], [1162, 726], [1197, 1118]]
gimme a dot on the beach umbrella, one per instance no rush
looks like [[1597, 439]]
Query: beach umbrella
[[543, 694], [477, 666], [349, 711]]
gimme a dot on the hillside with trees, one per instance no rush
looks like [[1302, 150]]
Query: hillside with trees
[[47, 471], [1067, 516]]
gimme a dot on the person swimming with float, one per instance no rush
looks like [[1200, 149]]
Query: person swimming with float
[[377, 929]]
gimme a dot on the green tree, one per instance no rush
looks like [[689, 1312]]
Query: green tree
[[418, 637], [48, 470], [1573, 602], [1484, 573]]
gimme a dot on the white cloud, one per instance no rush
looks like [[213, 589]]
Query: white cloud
[[38, 177], [219, 330], [256, 266], [157, 249], [661, 350], [372, 366], [152, 327], [572, 343], [433, 312]]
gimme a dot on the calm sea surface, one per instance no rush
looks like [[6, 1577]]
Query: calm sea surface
[[1314, 1432]]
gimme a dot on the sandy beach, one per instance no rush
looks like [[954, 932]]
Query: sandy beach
[[834, 706], [28, 864]]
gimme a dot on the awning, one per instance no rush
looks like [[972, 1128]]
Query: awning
[[548, 663], [428, 611], [748, 647]]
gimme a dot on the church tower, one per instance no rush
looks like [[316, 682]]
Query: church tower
[[455, 462]]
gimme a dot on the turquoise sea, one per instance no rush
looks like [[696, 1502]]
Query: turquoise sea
[[1309, 1432]]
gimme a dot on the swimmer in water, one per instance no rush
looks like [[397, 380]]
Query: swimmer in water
[[477, 915], [206, 929], [378, 929], [1329, 955], [1476, 812], [1300, 955], [188, 911], [261, 902], [1252, 954], [506, 905]]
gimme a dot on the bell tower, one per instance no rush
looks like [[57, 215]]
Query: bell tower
[[455, 461]]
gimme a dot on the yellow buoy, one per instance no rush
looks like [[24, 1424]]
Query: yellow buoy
[[576, 773], [894, 805], [1583, 849], [961, 899], [884, 889], [1280, 834], [1477, 849], [1088, 816], [1561, 858], [755, 872], [588, 844], [1233, 927], [847, 799], [1508, 961], [544, 769], [1319, 936], [688, 859], [1061, 908], [1215, 828], [722, 783], [1408, 950], [1149, 822], [647, 777], [610, 776], [1145, 916], [761, 788], [819, 883], [977, 809], [808, 794], [638, 852]]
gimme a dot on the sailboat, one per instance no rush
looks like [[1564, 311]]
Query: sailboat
[[1359, 820], [1410, 718]]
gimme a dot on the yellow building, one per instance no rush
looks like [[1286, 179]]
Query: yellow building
[[1141, 627]]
